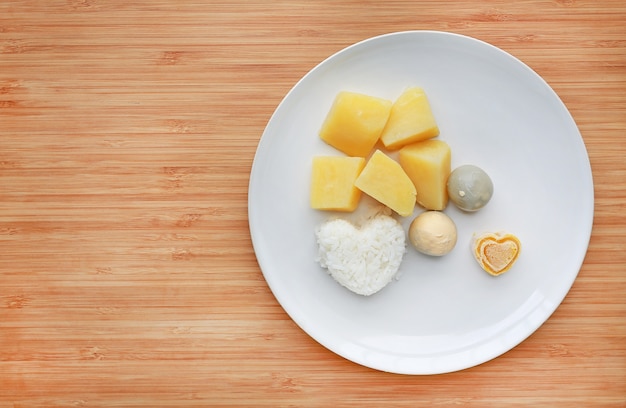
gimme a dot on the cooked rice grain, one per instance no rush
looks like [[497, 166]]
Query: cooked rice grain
[[363, 260]]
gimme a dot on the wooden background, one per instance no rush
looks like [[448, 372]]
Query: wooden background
[[127, 134]]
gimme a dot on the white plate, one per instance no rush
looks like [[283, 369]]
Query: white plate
[[444, 314]]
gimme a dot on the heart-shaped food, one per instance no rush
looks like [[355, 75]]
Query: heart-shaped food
[[364, 259], [496, 252]]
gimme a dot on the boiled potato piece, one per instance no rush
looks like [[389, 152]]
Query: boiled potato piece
[[427, 164], [411, 120], [384, 180], [355, 122], [332, 183]]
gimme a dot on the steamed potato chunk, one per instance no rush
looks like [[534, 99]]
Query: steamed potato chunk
[[427, 164], [411, 120], [384, 179], [355, 122], [332, 183]]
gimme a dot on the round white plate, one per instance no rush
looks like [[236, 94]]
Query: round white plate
[[443, 314]]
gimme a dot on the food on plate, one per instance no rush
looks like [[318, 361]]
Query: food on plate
[[433, 233], [384, 179], [496, 252], [364, 259], [411, 120], [469, 187], [427, 164], [355, 122], [332, 182]]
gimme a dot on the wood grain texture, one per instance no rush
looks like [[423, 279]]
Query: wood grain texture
[[127, 134]]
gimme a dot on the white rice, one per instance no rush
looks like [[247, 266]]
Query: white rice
[[363, 260]]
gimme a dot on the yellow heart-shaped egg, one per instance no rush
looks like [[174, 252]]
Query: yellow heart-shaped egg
[[496, 252]]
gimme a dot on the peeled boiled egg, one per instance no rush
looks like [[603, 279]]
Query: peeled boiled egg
[[433, 233], [469, 187]]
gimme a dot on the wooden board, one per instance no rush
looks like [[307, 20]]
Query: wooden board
[[127, 134]]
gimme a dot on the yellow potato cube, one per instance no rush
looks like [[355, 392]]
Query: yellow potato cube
[[384, 179], [332, 183], [411, 120], [354, 123], [427, 164]]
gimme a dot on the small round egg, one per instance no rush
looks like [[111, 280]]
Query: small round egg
[[433, 233], [469, 187]]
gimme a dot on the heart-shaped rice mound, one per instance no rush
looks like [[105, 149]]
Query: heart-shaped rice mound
[[365, 259]]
